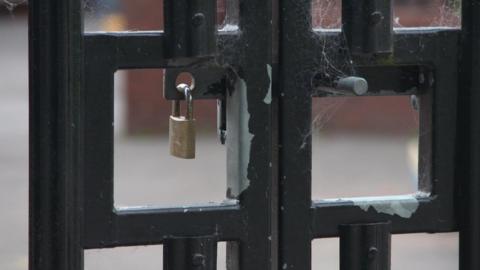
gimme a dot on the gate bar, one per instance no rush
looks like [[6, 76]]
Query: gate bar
[[469, 152], [368, 26], [365, 246], [55, 77], [190, 28]]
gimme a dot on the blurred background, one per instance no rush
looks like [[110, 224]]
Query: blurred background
[[376, 136]]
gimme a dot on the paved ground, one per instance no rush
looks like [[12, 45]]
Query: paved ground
[[146, 175]]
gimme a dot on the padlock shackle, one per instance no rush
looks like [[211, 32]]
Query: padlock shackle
[[176, 108], [187, 92], [189, 101]]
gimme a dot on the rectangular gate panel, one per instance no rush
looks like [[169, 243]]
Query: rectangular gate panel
[[304, 57], [106, 226], [251, 224]]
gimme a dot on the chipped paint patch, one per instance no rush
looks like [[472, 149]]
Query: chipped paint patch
[[402, 205], [229, 28], [245, 140], [268, 97], [239, 139]]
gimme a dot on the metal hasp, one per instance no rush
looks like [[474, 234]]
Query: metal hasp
[[209, 82], [365, 246], [196, 253], [356, 85], [367, 25], [190, 29]]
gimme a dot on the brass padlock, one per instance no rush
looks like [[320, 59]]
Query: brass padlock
[[182, 128]]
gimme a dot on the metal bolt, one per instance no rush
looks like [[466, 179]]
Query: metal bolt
[[357, 85]]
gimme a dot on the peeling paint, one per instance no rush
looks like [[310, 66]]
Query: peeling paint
[[239, 139], [402, 205], [229, 28], [268, 97]]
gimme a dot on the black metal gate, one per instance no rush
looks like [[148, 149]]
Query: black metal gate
[[266, 72]]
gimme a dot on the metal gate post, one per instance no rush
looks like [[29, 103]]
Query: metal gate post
[[468, 169], [55, 48]]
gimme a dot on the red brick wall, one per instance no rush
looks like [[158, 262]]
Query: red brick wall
[[379, 115]]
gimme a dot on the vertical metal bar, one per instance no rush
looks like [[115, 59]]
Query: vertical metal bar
[[469, 144], [98, 118], [251, 146], [55, 49], [365, 246], [190, 28], [295, 152], [199, 253]]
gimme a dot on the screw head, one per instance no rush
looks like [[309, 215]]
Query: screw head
[[372, 253], [198, 260], [376, 17], [198, 19]]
